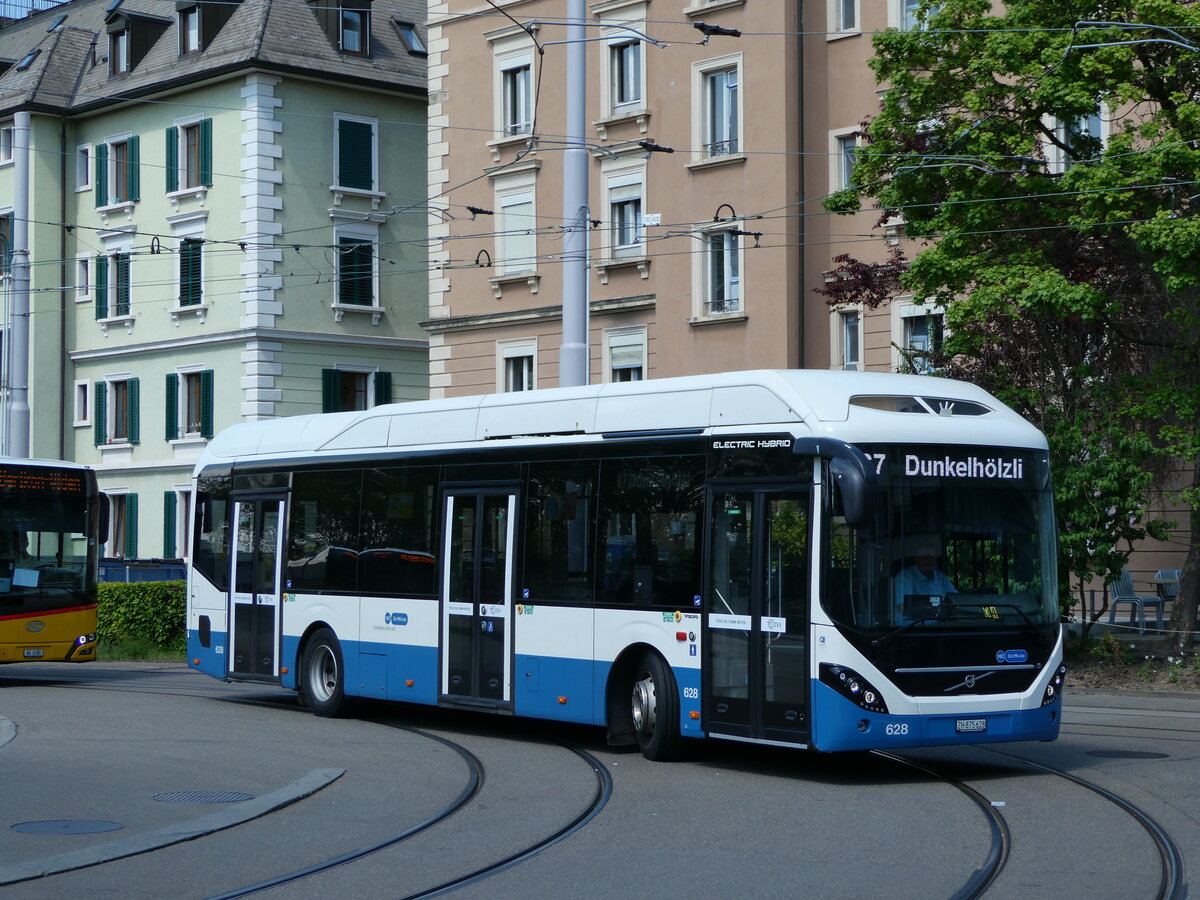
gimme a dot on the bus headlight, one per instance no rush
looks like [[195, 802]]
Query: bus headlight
[[1054, 688], [853, 687]]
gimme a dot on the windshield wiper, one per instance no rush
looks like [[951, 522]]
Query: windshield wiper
[[1029, 623], [882, 643]]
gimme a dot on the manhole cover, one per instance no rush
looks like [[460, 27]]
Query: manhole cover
[[203, 797], [1127, 754], [67, 826]]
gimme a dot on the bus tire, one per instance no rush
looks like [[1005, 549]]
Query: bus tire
[[323, 677], [655, 709]]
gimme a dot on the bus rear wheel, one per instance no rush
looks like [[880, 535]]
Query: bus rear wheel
[[323, 679], [655, 709]]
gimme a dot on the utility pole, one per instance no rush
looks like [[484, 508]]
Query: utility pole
[[573, 358], [18, 326]]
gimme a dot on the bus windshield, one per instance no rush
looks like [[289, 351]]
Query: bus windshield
[[44, 550], [961, 540]]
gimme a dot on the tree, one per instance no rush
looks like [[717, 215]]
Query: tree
[[1047, 168]]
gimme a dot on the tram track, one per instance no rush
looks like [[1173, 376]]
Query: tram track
[[476, 776]]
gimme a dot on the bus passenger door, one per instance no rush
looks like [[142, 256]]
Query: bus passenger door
[[476, 663], [254, 608], [756, 615]]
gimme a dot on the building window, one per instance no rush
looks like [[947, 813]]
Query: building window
[[625, 350], [83, 279], [116, 419], [516, 363], [118, 52], [6, 244], [625, 216], [122, 529], [721, 112], [6, 144], [189, 405], [411, 39], [723, 280], [356, 271], [849, 338], [117, 179], [516, 239], [354, 29], [625, 66], [191, 281], [355, 153], [348, 390], [922, 340], [516, 88], [177, 517], [189, 30], [83, 167], [1083, 138], [113, 286], [910, 15], [845, 150], [843, 16], [82, 404], [189, 155]]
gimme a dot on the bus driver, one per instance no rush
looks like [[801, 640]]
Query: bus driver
[[922, 579]]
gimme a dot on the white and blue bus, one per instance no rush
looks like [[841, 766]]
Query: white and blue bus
[[822, 560]]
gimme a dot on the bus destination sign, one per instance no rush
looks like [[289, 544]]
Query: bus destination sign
[[40, 480]]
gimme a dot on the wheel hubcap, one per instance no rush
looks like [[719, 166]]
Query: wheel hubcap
[[644, 705], [322, 674]]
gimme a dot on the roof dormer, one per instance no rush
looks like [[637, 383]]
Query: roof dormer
[[347, 24], [130, 37], [199, 23]]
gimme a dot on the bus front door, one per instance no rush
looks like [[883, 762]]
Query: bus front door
[[476, 597], [756, 615], [254, 626]]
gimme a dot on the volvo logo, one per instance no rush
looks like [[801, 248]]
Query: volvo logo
[[969, 681], [35, 627]]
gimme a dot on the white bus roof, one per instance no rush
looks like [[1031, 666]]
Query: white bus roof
[[851, 406]]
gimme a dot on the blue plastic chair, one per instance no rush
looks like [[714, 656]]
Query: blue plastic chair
[[1120, 590]]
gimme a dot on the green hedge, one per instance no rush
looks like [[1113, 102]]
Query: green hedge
[[150, 611]]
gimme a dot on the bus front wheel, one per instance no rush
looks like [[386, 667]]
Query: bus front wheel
[[655, 709], [324, 679]]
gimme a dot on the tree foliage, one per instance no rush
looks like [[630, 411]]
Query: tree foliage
[[1052, 187]]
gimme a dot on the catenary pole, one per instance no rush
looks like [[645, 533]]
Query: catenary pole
[[573, 363]]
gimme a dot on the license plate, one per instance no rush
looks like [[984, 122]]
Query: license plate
[[32, 654], [970, 726]]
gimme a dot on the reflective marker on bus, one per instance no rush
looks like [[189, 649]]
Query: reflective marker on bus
[[820, 560]]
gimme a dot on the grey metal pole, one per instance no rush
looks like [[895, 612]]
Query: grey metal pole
[[19, 326], [573, 363]]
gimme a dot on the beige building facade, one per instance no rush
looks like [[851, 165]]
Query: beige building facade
[[714, 129]]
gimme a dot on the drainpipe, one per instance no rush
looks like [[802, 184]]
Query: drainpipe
[[66, 277], [573, 362], [18, 410]]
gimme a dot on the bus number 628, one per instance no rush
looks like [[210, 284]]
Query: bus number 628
[[892, 730]]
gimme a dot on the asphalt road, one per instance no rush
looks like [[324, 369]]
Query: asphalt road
[[206, 789]]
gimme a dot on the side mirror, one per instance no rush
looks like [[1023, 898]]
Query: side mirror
[[851, 471], [105, 516], [204, 506], [858, 496]]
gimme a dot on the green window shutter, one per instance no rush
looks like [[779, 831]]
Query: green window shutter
[[100, 413], [356, 264], [133, 428], [102, 174], [134, 182], [172, 410], [206, 403], [329, 390], [206, 177], [355, 157], [170, 503], [189, 272], [131, 526], [172, 159], [101, 287], [383, 388], [122, 263]]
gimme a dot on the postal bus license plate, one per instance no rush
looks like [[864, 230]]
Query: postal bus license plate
[[32, 654], [970, 726]]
